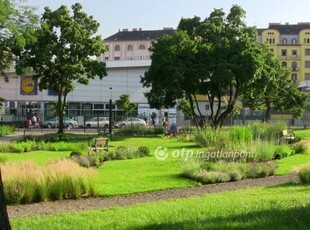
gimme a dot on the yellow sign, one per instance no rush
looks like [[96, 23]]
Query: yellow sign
[[28, 85]]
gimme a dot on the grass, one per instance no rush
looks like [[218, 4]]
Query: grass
[[40, 157], [288, 164], [260, 208]]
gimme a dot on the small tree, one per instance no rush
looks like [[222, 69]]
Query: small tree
[[61, 53], [125, 104]]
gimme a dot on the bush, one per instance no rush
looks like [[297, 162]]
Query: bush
[[187, 129], [206, 177], [283, 151], [143, 151], [304, 173], [259, 170], [6, 130], [28, 182], [134, 130], [300, 148]]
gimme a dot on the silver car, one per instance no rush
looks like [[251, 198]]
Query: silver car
[[51, 123], [93, 122], [130, 121]]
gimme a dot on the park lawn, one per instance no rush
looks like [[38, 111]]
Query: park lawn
[[259, 208], [288, 164], [40, 157], [148, 173]]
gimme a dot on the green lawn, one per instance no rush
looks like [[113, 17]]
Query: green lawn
[[40, 157], [260, 208], [288, 164]]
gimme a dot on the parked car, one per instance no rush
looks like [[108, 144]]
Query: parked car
[[93, 122], [130, 121], [51, 123]]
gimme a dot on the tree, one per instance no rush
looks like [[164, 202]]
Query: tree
[[216, 57], [273, 89], [61, 53], [15, 20], [125, 104]]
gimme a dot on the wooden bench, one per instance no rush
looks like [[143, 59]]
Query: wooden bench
[[288, 136], [100, 144]]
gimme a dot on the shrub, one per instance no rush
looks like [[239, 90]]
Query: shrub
[[264, 150], [6, 130], [268, 132], [27, 182], [300, 148], [187, 129], [304, 173], [134, 130], [262, 169], [206, 177], [143, 151], [190, 167], [283, 151], [235, 175], [76, 154]]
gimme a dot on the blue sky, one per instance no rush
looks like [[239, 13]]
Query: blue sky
[[157, 14]]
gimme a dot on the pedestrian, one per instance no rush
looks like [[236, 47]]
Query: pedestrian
[[26, 125]]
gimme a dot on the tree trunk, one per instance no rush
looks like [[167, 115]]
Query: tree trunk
[[4, 217], [268, 111]]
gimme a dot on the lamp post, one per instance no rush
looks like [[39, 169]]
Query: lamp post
[[110, 113]]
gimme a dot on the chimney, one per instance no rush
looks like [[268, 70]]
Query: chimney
[[125, 30], [134, 29], [140, 29]]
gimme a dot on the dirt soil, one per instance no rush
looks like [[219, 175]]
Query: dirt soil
[[99, 203]]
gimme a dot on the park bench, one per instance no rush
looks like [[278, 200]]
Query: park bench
[[288, 136], [100, 144]]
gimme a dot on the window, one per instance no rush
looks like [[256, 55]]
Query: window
[[117, 48], [307, 40], [107, 48], [307, 76], [106, 58], [141, 47], [294, 41], [284, 52], [284, 41], [117, 58], [284, 64], [294, 53], [98, 106], [307, 52], [129, 47], [307, 64], [294, 77], [294, 65]]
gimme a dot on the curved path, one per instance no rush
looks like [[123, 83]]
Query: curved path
[[99, 203]]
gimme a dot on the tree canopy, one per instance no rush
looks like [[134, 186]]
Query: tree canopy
[[216, 57], [61, 53], [15, 20], [273, 89], [125, 104]]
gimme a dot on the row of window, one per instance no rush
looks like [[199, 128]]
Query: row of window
[[294, 52], [285, 41], [129, 58], [294, 65], [129, 47]]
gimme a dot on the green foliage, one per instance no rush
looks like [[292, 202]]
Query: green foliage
[[143, 151], [185, 107], [125, 104], [209, 173], [216, 57], [3, 159], [266, 131], [304, 174], [6, 129], [300, 148], [28, 183], [136, 130], [63, 45], [273, 88], [187, 129]]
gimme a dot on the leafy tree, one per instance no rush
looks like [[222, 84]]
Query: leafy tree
[[61, 54], [185, 107], [216, 57], [125, 104], [272, 89], [15, 20]]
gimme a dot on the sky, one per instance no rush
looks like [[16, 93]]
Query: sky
[[115, 15]]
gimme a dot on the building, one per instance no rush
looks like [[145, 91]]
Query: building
[[291, 44], [127, 59]]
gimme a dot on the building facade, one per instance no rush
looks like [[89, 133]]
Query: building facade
[[291, 44]]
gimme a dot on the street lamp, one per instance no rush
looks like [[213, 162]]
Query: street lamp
[[110, 113]]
